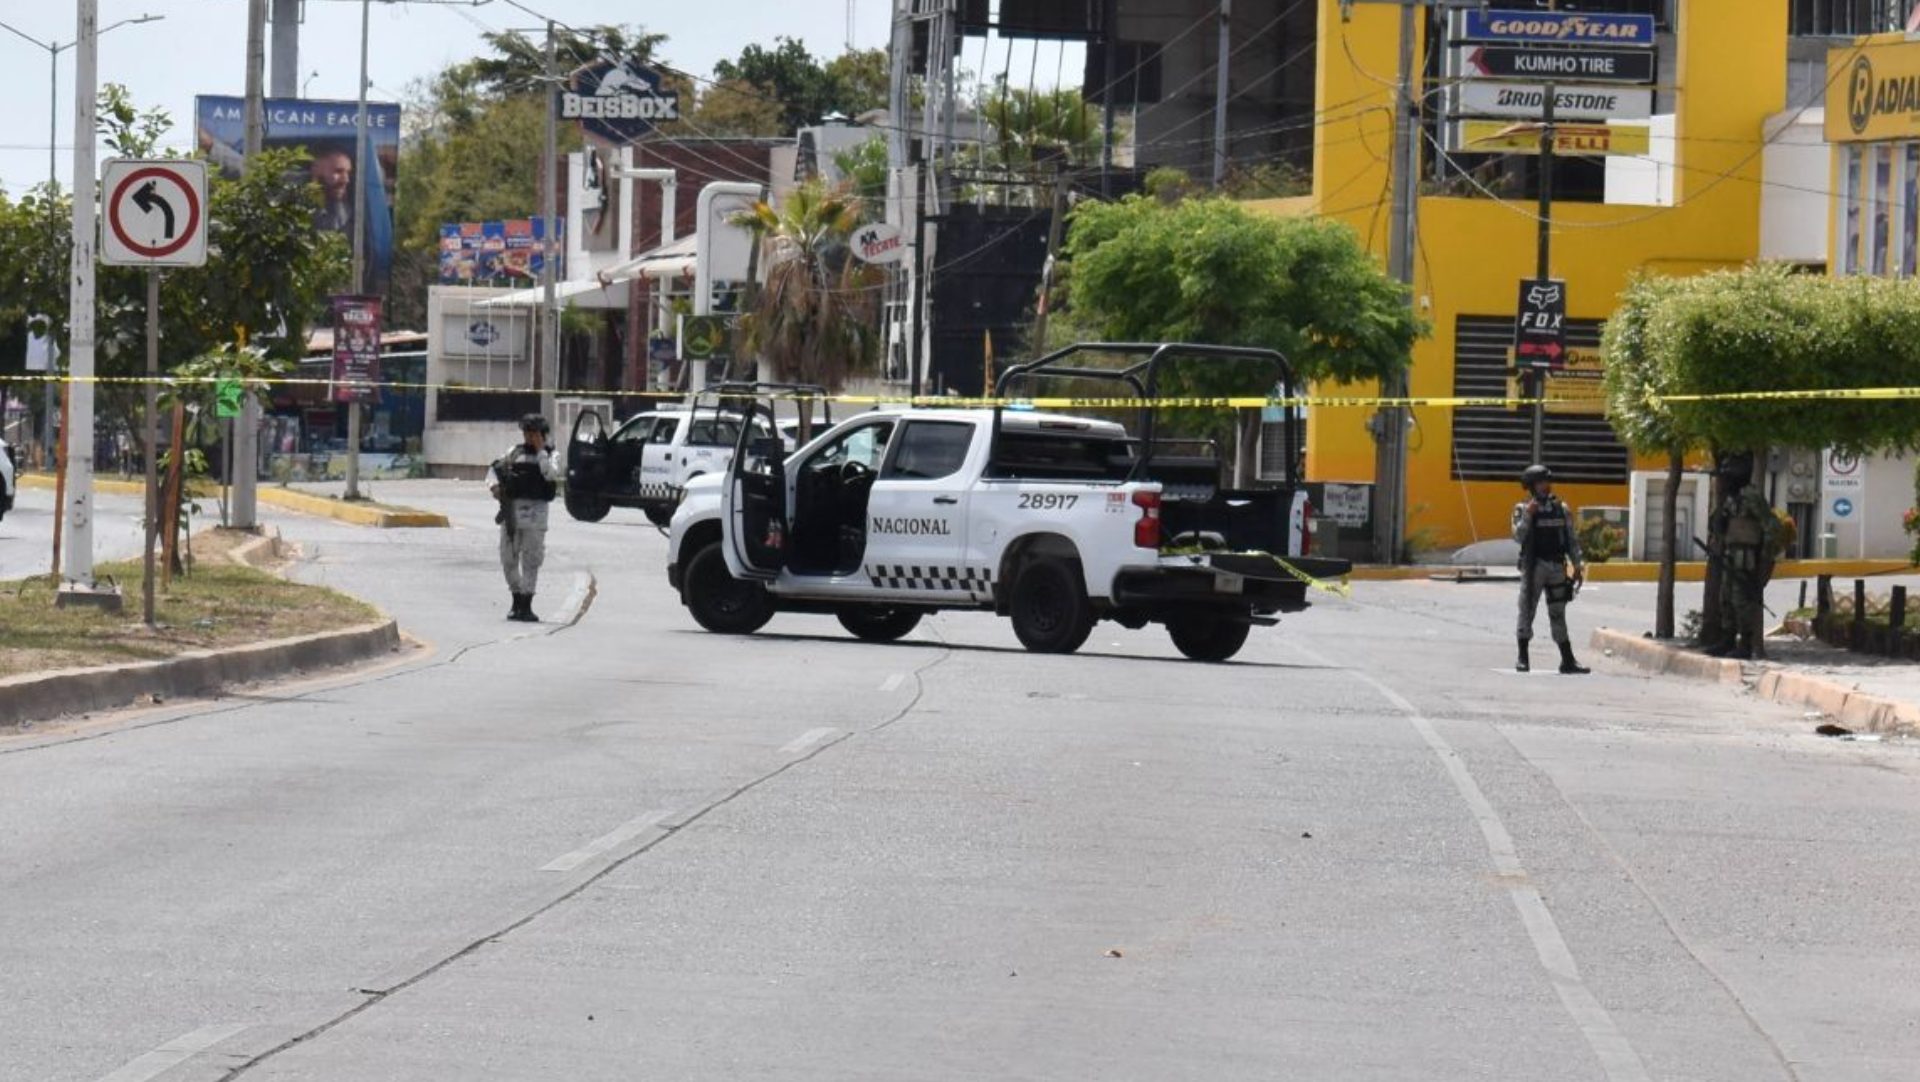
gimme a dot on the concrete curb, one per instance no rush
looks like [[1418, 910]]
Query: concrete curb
[[1847, 704], [375, 515], [37, 696], [1622, 571]]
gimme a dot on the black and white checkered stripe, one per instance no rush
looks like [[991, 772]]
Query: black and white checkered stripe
[[973, 580]]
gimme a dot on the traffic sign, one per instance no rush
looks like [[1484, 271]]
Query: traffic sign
[[1540, 325], [1842, 507], [1580, 140], [1583, 64], [1557, 27], [155, 213], [1569, 102]]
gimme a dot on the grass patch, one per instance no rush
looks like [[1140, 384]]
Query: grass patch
[[220, 604]]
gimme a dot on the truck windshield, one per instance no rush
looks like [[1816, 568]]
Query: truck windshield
[[1076, 456]]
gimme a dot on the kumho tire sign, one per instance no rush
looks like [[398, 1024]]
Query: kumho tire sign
[[618, 100]]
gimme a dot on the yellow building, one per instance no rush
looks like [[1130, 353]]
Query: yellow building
[[1724, 66]]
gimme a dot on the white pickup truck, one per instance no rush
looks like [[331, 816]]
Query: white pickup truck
[[1053, 521]]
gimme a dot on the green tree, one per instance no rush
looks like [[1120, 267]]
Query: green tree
[[817, 318], [736, 107], [864, 169], [805, 89]]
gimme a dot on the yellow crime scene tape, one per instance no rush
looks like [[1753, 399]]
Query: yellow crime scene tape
[[1863, 394], [1342, 588]]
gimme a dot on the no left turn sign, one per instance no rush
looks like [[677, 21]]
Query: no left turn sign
[[155, 213]]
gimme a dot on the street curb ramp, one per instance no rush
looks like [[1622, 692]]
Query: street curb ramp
[[38, 696], [1847, 704]]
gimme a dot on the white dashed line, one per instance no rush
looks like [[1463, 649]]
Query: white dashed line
[[174, 1052], [626, 831], [806, 740]]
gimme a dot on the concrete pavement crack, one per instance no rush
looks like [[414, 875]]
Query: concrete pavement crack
[[668, 833]]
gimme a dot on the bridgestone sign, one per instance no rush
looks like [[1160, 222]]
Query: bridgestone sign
[[1569, 102]]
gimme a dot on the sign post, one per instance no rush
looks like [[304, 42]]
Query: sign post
[[156, 217]]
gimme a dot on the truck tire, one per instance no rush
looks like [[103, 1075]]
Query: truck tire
[[1207, 637], [588, 508], [1050, 610], [721, 603], [879, 625]]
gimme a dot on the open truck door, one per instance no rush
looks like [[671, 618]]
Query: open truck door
[[754, 498], [587, 448]]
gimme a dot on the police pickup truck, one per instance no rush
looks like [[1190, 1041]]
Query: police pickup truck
[[1053, 521], [647, 461]]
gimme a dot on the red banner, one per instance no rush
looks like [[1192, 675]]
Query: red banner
[[356, 348]]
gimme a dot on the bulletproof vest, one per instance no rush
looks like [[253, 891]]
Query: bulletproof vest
[[1744, 528], [522, 480], [1550, 532]]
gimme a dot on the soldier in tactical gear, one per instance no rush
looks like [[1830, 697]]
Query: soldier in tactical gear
[[1548, 546], [1747, 529], [524, 480]]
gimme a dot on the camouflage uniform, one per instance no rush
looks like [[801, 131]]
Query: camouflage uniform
[[1549, 546]]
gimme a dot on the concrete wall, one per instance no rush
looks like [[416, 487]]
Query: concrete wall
[[1794, 218]]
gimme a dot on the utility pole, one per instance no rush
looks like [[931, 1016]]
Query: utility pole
[[1390, 422], [77, 509], [361, 156], [243, 433], [548, 369], [1537, 377], [152, 394], [1224, 64], [285, 68]]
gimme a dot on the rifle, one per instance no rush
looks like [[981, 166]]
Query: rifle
[[1717, 558], [504, 518]]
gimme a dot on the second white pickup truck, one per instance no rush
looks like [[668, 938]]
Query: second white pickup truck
[[1053, 521]]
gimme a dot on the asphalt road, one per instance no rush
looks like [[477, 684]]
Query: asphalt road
[[629, 849], [26, 534]]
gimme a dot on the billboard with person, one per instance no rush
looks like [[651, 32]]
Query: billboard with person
[[325, 130]]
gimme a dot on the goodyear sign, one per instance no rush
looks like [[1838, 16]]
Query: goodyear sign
[[1558, 27], [1507, 137], [1879, 86]]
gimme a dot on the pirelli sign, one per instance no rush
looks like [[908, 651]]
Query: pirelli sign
[[1873, 91]]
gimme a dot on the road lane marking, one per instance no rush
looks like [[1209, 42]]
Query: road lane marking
[[176, 1051], [806, 740], [625, 832], [1617, 1057], [892, 683]]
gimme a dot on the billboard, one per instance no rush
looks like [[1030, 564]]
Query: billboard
[[508, 252], [356, 348], [325, 129], [618, 100]]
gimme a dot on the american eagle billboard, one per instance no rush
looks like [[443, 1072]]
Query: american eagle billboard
[[325, 130]]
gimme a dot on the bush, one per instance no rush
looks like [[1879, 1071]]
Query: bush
[[1601, 541]]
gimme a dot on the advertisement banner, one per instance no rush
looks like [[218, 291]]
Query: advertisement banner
[[356, 348], [503, 253], [1540, 325], [325, 130], [618, 100], [1510, 137], [1557, 27], [1528, 100], [1881, 87], [1578, 65]]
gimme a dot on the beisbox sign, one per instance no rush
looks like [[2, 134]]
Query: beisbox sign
[[618, 100], [879, 243], [1558, 27], [154, 213]]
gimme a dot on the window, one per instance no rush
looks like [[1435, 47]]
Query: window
[[930, 450], [1850, 212], [866, 445], [636, 430], [721, 431], [1909, 207], [1882, 207]]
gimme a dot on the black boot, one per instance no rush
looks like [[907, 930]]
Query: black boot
[[1523, 665], [526, 609], [1568, 666], [514, 612]]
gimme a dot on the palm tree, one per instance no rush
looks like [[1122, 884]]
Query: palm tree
[[816, 319]]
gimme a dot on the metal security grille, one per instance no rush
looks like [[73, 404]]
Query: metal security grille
[[1493, 444]]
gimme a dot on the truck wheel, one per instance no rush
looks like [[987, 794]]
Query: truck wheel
[[588, 508], [1051, 614], [658, 515], [721, 603], [879, 625], [1206, 637]]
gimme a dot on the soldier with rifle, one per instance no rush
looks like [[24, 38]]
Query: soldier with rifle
[[1549, 546], [525, 481], [1746, 530]]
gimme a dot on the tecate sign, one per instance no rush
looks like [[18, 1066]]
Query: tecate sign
[[1565, 27], [879, 243], [618, 100]]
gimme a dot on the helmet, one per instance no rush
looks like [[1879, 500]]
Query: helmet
[[1736, 468], [533, 422], [1533, 475]]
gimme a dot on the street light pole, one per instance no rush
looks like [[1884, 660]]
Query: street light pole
[[242, 446], [77, 560], [360, 160]]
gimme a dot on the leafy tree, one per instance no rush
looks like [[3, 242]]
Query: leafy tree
[[804, 88], [1636, 381], [817, 318], [861, 78], [736, 107], [864, 170]]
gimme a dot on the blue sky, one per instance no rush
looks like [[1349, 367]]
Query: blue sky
[[200, 48]]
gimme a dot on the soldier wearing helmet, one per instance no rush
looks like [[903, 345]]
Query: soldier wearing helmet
[[1549, 547], [1745, 530], [525, 481]]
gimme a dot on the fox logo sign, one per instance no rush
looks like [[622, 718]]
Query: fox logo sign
[[1544, 296]]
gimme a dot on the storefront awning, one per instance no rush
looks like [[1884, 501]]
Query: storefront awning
[[587, 293], [671, 260]]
